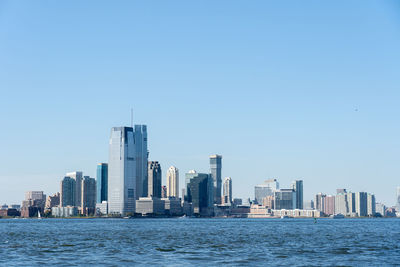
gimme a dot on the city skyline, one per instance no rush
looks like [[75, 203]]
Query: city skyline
[[303, 91]]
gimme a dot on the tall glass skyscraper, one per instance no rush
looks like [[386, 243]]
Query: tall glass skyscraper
[[102, 182], [141, 157], [77, 176], [68, 192], [199, 192], [297, 186], [154, 179], [215, 166], [121, 171]]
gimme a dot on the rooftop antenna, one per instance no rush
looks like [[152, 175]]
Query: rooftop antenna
[[132, 117]]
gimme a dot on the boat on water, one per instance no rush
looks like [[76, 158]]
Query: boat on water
[[285, 217], [337, 216], [39, 217]]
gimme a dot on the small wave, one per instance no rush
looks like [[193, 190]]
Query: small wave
[[165, 249]]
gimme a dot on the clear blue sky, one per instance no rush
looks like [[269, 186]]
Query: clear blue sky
[[283, 89]]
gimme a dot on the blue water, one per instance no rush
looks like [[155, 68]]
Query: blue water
[[251, 242]]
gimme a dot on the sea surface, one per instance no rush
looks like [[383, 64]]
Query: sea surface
[[201, 242]]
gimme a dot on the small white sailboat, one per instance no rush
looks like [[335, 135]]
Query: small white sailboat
[[39, 217]]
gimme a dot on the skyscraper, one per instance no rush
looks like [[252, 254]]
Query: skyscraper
[[227, 192], [297, 186], [102, 182], [77, 176], [361, 201], [371, 205], [88, 195], [173, 182], [320, 202], [141, 156], [265, 190], [68, 191], [199, 192], [329, 205], [154, 179], [216, 165], [284, 199], [341, 204], [121, 171]]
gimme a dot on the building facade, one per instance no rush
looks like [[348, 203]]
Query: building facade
[[329, 205], [371, 205], [297, 186], [216, 167], [102, 182], [52, 201], [141, 157], [361, 204], [154, 179], [264, 190], [199, 192], [67, 192], [121, 171], [227, 192], [285, 199], [173, 182], [88, 196], [77, 176]]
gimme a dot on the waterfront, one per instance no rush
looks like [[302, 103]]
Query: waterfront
[[73, 242]]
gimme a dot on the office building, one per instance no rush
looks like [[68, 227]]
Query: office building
[[341, 191], [77, 176], [172, 206], [329, 205], [284, 199], [268, 202], [88, 196], [52, 201], [163, 191], [309, 205], [227, 192], [297, 186], [67, 192], [371, 205], [351, 204], [33, 204], [173, 182], [102, 182], [320, 202], [150, 206], [141, 158], [380, 209], [266, 189], [102, 208], [341, 205], [121, 172], [216, 166], [35, 195], [199, 192], [68, 211], [361, 203], [154, 179]]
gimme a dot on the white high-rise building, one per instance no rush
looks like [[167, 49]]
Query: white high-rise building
[[77, 176], [227, 191], [173, 182], [121, 171]]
